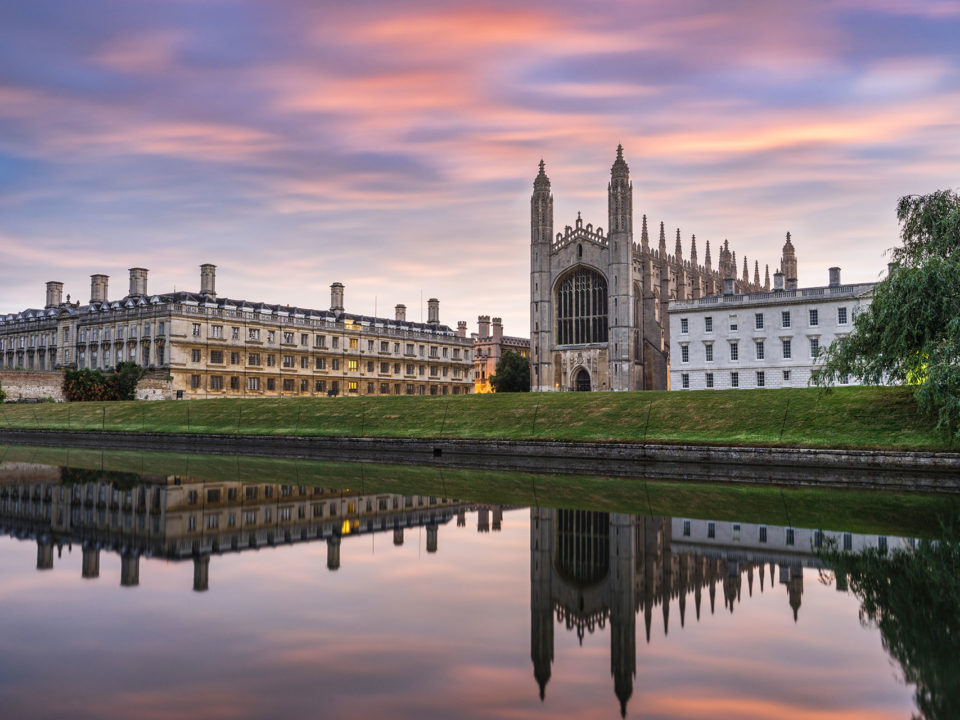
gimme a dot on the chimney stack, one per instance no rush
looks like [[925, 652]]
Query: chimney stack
[[778, 280], [834, 277], [483, 322], [336, 297], [401, 313], [208, 280], [433, 311], [729, 287], [98, 288], [462, 328], [138, 281], [54, 294], [497, 329]]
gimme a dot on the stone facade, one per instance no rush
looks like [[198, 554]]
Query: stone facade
[[760, 339], [598, 301], [213, 347], [489, 345]]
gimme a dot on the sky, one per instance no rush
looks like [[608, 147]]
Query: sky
[[392, 146]]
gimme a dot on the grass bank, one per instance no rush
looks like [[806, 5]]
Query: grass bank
[[853, 417], [884, 513]]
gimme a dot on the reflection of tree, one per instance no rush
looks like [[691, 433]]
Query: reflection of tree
[[913, 597], [120, 480]]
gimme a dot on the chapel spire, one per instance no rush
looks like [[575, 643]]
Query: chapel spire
[[644, 238], [678, 251], [620, 197], [693, 250]]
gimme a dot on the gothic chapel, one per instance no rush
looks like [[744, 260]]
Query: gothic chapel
[[598, 301]]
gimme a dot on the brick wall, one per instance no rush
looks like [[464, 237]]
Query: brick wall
[[36, 385], [25, 384]]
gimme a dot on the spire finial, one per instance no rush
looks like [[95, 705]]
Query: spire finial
[[644, 238], [542, 165], [693, 249], [678, 251], [663, 239], [619, 151]]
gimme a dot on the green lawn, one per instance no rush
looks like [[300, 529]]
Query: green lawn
[[885, 513], [852, 417]]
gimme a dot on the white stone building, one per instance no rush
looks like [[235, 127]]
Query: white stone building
[[760, 339]]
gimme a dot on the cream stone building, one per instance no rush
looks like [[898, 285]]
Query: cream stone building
[[598, 300], [213, 346], [489, 344]]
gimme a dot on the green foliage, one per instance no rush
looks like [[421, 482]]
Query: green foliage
[[911, 332], [3, 395], [128, 375], [911, 596], [512, 373], [89, 385]]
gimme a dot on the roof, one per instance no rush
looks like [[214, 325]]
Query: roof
[[200, 300]]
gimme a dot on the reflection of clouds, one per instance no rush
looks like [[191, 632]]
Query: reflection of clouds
[[362, 134], [398, 633]]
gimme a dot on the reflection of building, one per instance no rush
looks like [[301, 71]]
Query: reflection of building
[[589, 570], [178, 518], [598, 301], [215, 346], [488, 347]]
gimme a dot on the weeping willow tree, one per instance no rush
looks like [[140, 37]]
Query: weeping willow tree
[[910, 334], [913, 597]]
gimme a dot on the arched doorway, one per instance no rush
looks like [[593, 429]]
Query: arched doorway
[[582, 382]]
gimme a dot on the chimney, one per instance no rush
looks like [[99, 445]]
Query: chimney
[[208, 280], [729, 287], [834, 277], [336, 297], [497, 329], [401, 311], [138, 281], [483, 322], [433, 311], [54, 294], [462, 328], [98, 288], [778, 280]]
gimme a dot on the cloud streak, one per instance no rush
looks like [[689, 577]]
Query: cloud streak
[[294, 143]]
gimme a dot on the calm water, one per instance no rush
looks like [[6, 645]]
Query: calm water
[[156, 597]]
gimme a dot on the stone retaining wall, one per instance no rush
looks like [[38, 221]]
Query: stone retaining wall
[[41, 385], [32, 385], [862, 469]]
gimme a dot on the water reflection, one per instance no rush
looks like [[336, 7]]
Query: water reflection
[[590, 572], [590, 569], [180, 518]]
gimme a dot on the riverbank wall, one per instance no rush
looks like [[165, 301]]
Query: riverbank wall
[[790, 467]]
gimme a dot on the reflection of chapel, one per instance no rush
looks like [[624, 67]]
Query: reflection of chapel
[[598, 300], [590, 569]]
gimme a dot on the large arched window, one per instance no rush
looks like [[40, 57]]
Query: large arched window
[[582, 308]]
